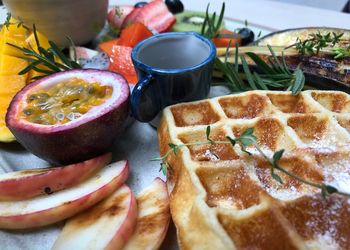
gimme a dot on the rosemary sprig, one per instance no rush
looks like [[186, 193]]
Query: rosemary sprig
[[211, 26], [274, 74], [46, 58], [246, 139]]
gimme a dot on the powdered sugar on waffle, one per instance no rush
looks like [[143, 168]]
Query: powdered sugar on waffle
[[252, 209]]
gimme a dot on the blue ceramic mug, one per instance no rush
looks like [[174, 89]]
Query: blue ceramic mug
[[172, 67]]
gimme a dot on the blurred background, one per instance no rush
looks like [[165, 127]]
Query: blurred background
[[336, 5]]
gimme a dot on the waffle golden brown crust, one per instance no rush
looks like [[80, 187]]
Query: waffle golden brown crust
[[228, 200]]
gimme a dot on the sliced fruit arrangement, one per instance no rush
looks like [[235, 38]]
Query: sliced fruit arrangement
[[119, 50], [27, 184], [70, 116], [153, 217], [135, 23], [48, 209], [155, 15], [120, 221], [108, 225]]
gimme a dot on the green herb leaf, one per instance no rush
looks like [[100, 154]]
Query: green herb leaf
[[259, 34], [276, 177], [248, 73], [211, 26], [36, 36], [299, 81], [248, 132], [213, 153], [232, 141], [163, 168], [246, 141], [263, 66], [208, 133], [278, 155], [330, 189], [173, 147], [7, 22], [244, 149]]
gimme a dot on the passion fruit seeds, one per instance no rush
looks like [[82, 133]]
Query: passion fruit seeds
[[64, 102], [70, 116]]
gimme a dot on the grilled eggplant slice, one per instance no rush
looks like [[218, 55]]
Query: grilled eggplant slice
[[321, 70], [287, 37]]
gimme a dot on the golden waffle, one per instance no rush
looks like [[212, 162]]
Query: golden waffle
[[228, 200]]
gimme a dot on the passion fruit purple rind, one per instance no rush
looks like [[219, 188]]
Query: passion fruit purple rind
[[82, 137]]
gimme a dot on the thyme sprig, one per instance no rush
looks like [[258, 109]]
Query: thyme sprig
[[317, 42], [19, 22], [245, 140], [341, 52], [274, 75], [45, 60]]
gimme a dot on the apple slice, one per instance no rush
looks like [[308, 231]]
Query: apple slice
[[153, 219], [48, 209], [108, 225], [25, 184]]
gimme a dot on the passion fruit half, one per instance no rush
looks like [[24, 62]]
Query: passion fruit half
[[70, 116]]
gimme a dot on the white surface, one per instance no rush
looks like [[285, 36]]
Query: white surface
[[271, 14]]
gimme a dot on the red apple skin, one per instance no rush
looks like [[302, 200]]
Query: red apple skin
[[108, 225], [65, 209], [26, 184], [153, 218]]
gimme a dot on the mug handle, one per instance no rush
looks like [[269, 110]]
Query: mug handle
[[144, 106]]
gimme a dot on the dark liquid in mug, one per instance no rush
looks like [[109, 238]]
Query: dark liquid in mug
[[174, 52]]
